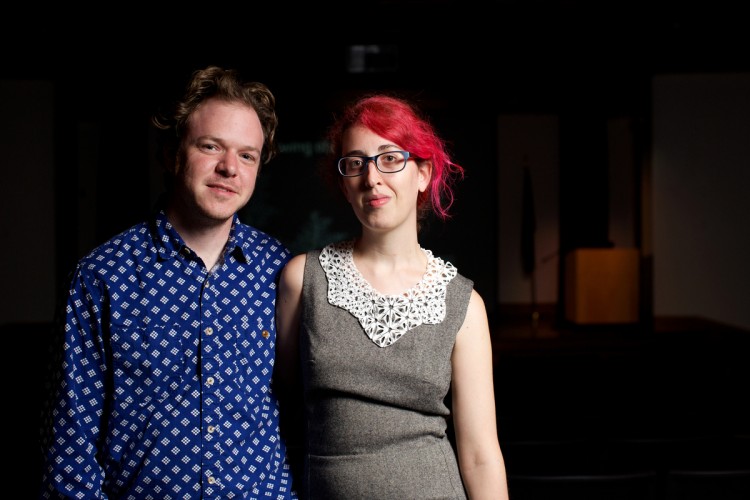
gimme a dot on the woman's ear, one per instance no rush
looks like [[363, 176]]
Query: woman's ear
[[425, 174]]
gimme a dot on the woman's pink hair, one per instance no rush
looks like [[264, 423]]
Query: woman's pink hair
[[398, 121]]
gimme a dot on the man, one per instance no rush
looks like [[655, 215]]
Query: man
[[162, 387]]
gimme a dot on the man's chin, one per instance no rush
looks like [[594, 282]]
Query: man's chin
[[221, 210]]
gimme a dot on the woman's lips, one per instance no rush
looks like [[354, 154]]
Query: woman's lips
[[378, 202]]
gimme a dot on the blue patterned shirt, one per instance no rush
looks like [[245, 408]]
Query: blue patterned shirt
[[164, 384]]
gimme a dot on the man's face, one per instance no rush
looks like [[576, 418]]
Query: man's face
[[220, 162]]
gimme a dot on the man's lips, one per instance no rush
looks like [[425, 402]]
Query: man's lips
[[222, 187]]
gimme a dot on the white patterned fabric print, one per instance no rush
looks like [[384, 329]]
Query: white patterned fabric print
[[385, 318], [166, 386]]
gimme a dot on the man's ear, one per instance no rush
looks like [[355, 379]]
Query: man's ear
[[175, 161]]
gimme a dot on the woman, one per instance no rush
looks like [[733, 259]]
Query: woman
[[385, 329]]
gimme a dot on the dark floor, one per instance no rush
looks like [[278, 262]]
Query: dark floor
[[608, 412], [657, 411]]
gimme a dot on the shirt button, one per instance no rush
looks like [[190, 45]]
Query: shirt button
[[209, 330], [210, 381], [211, 429], [211, 480], [265, 334]]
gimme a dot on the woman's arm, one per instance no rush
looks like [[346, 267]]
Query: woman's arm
[[286, 373], [474, 417], [288, 309]]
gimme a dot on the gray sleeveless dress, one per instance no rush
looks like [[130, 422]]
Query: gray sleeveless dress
[[376, 417]]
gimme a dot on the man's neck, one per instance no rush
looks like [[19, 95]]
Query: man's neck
[[208, 244], [206, 240]]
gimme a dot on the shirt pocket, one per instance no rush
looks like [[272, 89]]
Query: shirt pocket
[[253, 357], [148, 363]]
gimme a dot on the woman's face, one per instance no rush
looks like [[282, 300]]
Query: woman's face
[[382, 201]]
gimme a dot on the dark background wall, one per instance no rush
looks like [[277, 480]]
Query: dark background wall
[[79, 100], [635, 115]]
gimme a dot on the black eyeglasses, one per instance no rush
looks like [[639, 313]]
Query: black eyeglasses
[[389, 162]]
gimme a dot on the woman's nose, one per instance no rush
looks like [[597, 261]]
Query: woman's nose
[[372, 174]]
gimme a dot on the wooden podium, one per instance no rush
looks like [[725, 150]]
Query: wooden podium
[[601, 285]]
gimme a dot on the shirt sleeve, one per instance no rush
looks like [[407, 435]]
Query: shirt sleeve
[[73, 416]]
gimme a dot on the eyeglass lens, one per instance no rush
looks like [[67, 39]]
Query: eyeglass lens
[[388, 162]]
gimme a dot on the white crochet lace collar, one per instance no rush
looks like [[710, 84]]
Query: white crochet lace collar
[[385, 318]]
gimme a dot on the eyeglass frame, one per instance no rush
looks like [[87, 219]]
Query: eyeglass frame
[[374, 159]]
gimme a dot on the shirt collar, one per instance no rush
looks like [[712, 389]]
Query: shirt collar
[[169, 243]]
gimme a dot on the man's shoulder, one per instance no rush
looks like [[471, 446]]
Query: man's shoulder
[[258, 239], [129, 241]]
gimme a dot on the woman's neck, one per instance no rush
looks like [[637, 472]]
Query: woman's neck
[[391, 267]]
